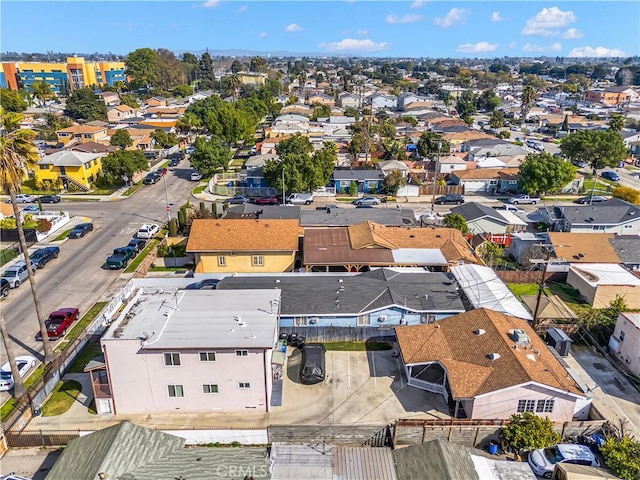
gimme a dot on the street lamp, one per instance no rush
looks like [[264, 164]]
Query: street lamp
[[435, 176], [166, 196]]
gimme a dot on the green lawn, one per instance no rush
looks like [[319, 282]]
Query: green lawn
[[88, 352], [520, 289], [357, 346], [6, 408], [568, 295], [199, 189], [133, 266], [61, 398], [62, 236], [132, 190], [169, 269], [6, 255]]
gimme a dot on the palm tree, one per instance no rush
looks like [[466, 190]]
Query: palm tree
[[119, 86], [18, 152], [616, 122], [18, 384], [235, 81], [527, 99], [448, 100], [189, 122], [42, 91]]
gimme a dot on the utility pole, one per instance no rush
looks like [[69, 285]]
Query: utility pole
[[541, 284], [435, 176], [284, 202]]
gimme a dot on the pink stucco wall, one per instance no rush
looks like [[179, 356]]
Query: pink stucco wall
[[504, 403], [139, 379]]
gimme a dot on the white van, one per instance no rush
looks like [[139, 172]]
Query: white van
[[300, 198]]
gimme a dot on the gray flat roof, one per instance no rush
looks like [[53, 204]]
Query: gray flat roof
[[172, 318], [343, 217]]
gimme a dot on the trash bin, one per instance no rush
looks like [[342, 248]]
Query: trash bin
[[493, 447]]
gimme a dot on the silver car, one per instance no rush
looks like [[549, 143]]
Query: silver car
[[543, 460], [16, 274]]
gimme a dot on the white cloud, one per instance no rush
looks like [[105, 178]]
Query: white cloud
[[456, 16], [572, 33], [293, 27], [533, 48], [480, 47], [211, 4], [408, 18], [513, 45], [495, 17], [417, 4], [263, 35], [596, 52], [547, 22], [242, 9], [362, 33], [353, 45]]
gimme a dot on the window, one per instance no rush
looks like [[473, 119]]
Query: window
[[428, 317], [598, 227], [171, 359], [175, 390], [513, 182], [207, 356], [244, 385], [242, 353], [222, 261], [87, 135], [526, 405], [621, 336], [257, 261], [627, 226], [44, 167], [372, 184], [493, 182], [210, 388], [545, 406], [299, 321], [363, 320]]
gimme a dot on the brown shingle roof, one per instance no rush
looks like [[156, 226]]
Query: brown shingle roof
[[81, 129], [224, 235], [584, 247], [465, 355]]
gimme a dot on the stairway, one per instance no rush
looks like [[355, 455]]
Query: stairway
[[73, 185]]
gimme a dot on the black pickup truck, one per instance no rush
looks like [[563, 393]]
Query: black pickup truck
[[120, 257], [40, 257]]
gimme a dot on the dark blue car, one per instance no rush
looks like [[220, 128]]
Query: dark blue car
[[609, 175], [80, 230]]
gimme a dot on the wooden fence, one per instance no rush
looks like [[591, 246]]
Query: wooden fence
[[40, 438], [342, 334], [528, 276], [427, 189]]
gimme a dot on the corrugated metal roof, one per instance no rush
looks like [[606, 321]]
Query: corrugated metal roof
[[363, 463], [297, 462]]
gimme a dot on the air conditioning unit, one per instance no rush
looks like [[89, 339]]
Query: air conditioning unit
[[382, 318]]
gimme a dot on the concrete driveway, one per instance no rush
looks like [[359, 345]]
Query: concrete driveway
[[360, 387]]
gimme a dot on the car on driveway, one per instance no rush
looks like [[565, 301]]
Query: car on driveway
[[138, 244], [543, 460], [58, 323], [4, 287], [22, 198], [590, 199], [312, 367], [452, 198], [16, 274], [195, 176], [237, 200], [266, 200], [50, 199], [147, 231], [609, 175], [24, 364], [40, 257], [80, 230], [369, 200]]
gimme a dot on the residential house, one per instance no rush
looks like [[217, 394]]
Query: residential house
[[388, 166], [573, 248], [92, 147], [251, 173], [489, 365], [450, 461], [624, 344], [601, 283], [525, 246], [121, 112], [618, 95], [627, 248], [486, 180], [364, 305], [458, 141], [483, 219], [379, 101], [253, 78], [359, 247], [297, 109], [73, 169], [157, 102], [451, 163], [264, 212], [368, 180], [612, 216], [192, 357], [336, 216], [6, 210], [83, 133], [233, 245], [347, 100], [320, 99], [110, 99]]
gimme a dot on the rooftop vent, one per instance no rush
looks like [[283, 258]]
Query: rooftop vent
[[479, 331], [493, 356], [520, 336]]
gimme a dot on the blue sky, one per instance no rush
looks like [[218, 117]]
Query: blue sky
[[368, 28]]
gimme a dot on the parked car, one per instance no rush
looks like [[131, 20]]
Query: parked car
[[509, 208], [266, 200], [58, 323], [24, 363], [190, 150], [548, 139], [370, 200], [16, 274], [450, 198], [579, 163], [300, 198], [543, 460], [138, 244], [151, 154], [313, 363], [176, 156], [80, 230], [31, 208], [174, 162], [591, 199], [148, 231], [4, 287], [40, 257], [50, 199], [22, 198], [237, 200], [196, 176], [206, 284], [120, 257], [161, 171], [609, 175], [524, 199], [151, 178]]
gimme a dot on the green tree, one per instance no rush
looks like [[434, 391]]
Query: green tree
[[428, 145], [121, 163], [229, 122], [164, 139], [363, 139], [528, 431], [84, 105], [351, 112], [394, 181], [206, 67], [236, 66], [12, 101], [627, 194], [210, 156], [527, 99], [130, 100], [183, 91], [353, 188], [457, 221], [258, 64], [599, 148], [488, 100], [622, 456], [142, 66], [169, 70], [42, 91], [616, 122], [321, 111], [544, 173], [121, 138], [490, 252], [466, 104], [497, 119]]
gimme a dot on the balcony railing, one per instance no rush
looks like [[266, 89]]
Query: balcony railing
[[428, 386]]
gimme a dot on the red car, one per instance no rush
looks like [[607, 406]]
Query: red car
[[266, 200], [161, 171], [58, 322]]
